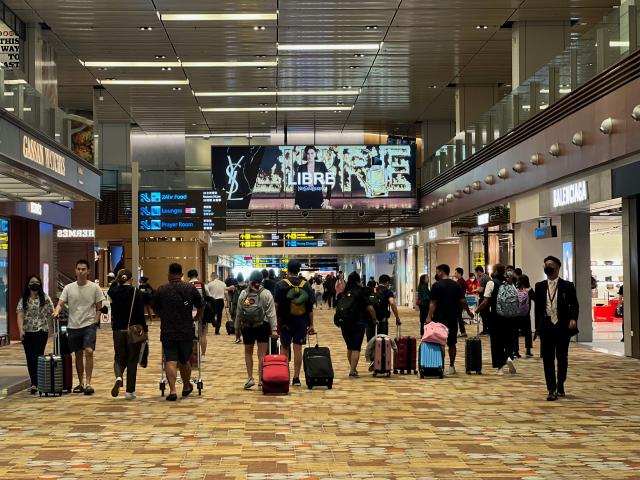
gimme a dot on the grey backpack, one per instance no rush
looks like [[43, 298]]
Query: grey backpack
[[251, 307]]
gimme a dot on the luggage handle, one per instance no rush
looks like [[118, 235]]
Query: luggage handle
[[309, 335]]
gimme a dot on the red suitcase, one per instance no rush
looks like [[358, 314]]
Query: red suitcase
[[404, 359], [275, 374]]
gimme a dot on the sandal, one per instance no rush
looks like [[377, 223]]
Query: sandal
[[172, 397], [78, 389]]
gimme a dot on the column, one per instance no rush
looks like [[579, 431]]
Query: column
[[533, 45], [463, 255], [631, 269], [576, 228], [436, 133], [472, 101]]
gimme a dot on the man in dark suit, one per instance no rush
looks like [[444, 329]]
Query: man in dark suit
[[556, 322]]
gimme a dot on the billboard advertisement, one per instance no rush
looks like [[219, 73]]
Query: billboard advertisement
[[314, 177]]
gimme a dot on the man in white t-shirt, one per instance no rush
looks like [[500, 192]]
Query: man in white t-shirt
[[217, 289], [84, 300]]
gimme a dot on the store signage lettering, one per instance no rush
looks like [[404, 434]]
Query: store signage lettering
[[571, 194], [38, 153], [483, 219], [433, 234], [67, 233], [9, 48], [35, 208]]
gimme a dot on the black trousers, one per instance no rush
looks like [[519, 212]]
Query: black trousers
[[383, 328], [554, 345], [485, 316], [523, 325], [331, 299], [126, 358], [217, 314], [501, 337], [424, 313], [34, 344], [461, 326]]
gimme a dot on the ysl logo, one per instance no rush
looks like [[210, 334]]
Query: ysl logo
[[232, 176]]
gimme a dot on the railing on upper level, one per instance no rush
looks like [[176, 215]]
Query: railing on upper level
[[607, 43]]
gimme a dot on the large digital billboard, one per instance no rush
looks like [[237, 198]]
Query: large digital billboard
[[312, 176], [187, 210]]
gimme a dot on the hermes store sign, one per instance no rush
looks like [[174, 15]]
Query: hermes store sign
[[38, 153]]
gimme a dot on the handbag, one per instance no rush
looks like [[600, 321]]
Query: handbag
[[435, 332], [135, 333]]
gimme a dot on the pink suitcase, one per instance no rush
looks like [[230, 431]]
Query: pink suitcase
[[383, 355]]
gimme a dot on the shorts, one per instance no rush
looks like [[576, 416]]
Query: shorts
[[261, 334], [177, 350], [353, 336], [294, 330], [452, 339], [80, 339]]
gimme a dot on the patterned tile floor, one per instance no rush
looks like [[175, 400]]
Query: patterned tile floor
[[462, 427]]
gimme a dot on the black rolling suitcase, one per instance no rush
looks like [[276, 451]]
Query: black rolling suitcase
[[51, 368], [473, 353], [318, 369]]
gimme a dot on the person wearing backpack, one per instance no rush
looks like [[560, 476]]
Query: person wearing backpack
[[234, 295], [256, 319], [294, 305], [383, 301], [500, 333], [207, 314], [353, 308], [525, 295]]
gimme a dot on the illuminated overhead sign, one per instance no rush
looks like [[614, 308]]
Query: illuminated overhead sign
[[572, 194], [42, 155], [306, 239], [483, 219], [433, 234], [75, 233], [186, 210], [34, 208]]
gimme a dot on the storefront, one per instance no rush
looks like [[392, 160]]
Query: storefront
[[39, 181]]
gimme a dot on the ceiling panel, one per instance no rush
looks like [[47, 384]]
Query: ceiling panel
[[426, 43]]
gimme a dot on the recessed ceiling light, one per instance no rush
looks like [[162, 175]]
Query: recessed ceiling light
[[353, 67], [166, 69], [261, 68], [193, 124], [433, 86], [102, 69], [371, 27], [358, 55], [290, 47], [275, 109], [261, 111], [160, 57], [259, 27], [339, 103], [260, 56], [264, 104], [113, 81], [481, 27], [146, 29], [262, 88], [177, 89], [346, 87], [194, 17]]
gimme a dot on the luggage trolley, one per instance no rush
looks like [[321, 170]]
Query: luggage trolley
[[195, 360]]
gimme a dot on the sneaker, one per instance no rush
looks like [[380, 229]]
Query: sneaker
[[372, 367], [88, 390], [130, 396], [560, 391], [250, 383], [296, 382], [186, 392], [452, 370], [172, 397], [511, 365], [33, 390], [116, 387], [553, 396], [500, 371], [517, 355]]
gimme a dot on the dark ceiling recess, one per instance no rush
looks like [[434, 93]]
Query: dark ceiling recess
[[508, 24], [12, 21]]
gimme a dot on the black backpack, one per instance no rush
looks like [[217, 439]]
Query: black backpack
[[346, 309], [234, 299], [380, 303]]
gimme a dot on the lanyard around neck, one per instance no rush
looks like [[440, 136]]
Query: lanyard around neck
[[555, 293]]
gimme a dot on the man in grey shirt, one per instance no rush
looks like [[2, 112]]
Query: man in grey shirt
[[84, 299]]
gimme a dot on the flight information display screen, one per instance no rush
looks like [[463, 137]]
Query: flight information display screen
[[182, 210]]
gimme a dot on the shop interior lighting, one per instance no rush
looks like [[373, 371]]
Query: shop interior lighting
[[143, 82], [276, 109], [311, 47], [19, 81], [280, 93], [618, 43], [216, 17]]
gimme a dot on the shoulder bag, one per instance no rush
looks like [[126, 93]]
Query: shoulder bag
[[135, 333]]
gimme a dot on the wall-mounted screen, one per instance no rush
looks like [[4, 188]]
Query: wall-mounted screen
[[313, 177], [186, 210]]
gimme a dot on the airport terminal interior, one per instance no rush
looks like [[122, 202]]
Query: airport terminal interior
[[304, 239]]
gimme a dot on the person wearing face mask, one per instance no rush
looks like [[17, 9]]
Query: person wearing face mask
[[35, 311], [127, 308], [556, 310]]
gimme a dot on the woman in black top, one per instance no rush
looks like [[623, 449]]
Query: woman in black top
[[309, 193], [423, 300], [124, 314]]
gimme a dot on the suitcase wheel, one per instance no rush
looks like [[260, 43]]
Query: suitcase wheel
[[375, 374], [200, 385], [479, 372], [395, 372], [330, 385], [421, 376], [162, 388], [389, 374], [468, 372]]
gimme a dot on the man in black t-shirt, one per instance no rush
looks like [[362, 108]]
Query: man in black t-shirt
[[447, 302], [386, 306]]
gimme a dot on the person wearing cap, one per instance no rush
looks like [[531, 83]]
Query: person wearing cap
[[294, 306], [255, 324], [127, 308], [111, 277]]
